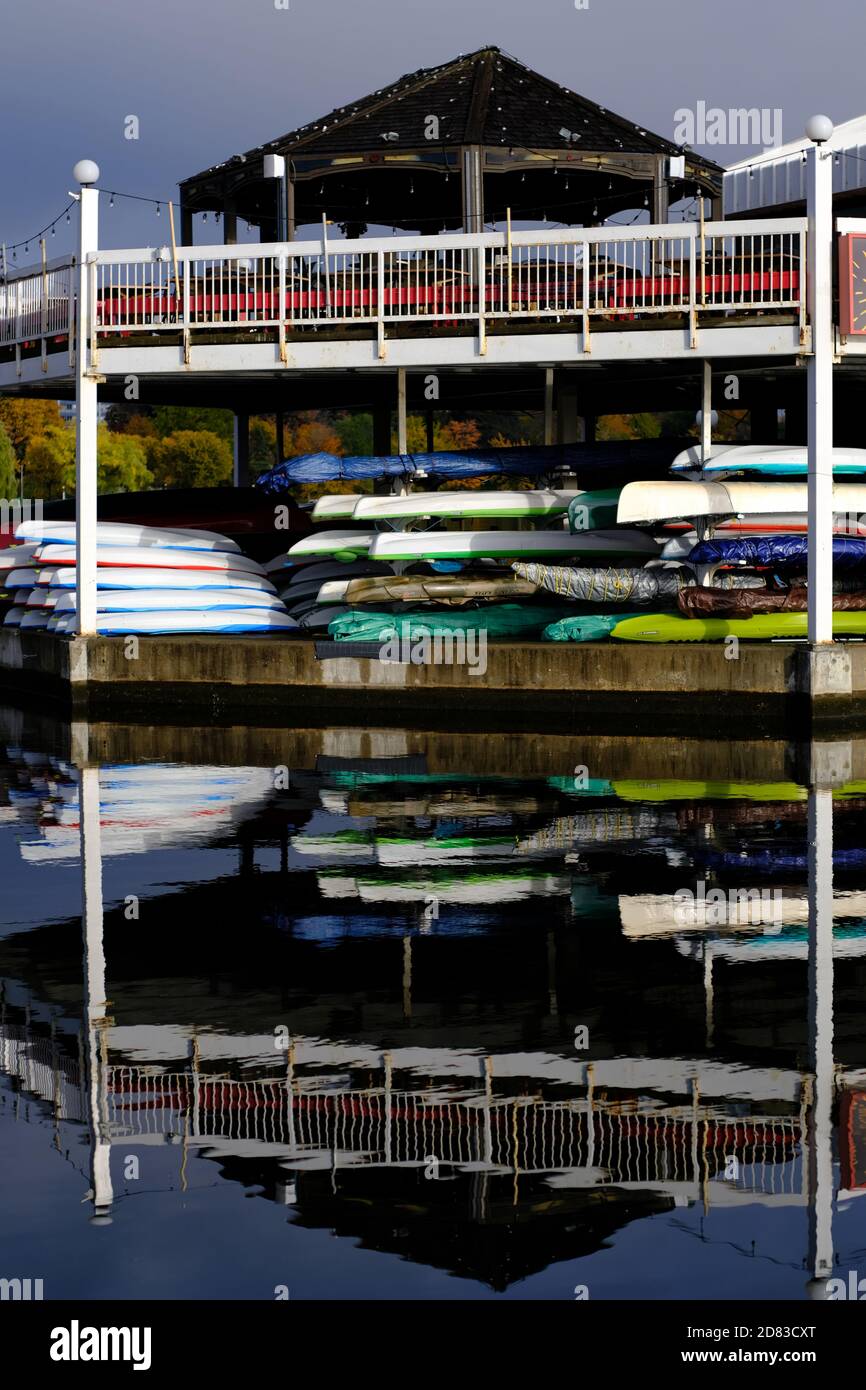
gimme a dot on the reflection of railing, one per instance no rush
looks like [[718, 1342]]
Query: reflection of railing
[[587, 1140], [681, 269]]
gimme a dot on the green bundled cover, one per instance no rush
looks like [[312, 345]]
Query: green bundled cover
[[587, 627], [594, 510], [497, 620]]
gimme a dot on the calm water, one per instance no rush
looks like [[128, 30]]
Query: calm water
[[381, 1015]]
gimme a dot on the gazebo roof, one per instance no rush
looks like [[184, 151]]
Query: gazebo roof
[[482, 98]]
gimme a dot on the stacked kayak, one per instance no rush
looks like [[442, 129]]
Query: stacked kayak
[[149, 581]]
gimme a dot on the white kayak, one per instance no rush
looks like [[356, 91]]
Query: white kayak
[[13, 616], [338, 543], [162, 600], [467, 545], [118, 577], [125, 533], [665, 501], [339, 506], [21, 579], [470, 503], [772, 460], [152, 556], [224, 620]]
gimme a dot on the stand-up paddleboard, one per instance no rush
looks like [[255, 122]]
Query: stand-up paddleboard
[[321, 617], [125, 533], [224, 620], [141, 578], [667, 627], [336, 543], [288, 574], [470, 503], [448, 589], [166, 600], [340, 506], [156, 557], [461, 545], [771, 460], [671, 499]]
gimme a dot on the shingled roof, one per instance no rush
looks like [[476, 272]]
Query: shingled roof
[[481, 98]]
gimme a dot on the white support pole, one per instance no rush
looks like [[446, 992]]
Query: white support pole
[[819, 208], [86, 413]]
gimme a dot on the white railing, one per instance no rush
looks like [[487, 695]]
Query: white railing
[[725, 269]]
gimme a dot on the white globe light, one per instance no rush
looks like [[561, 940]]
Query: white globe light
[[86, 171], [819, 129], [714, 418]]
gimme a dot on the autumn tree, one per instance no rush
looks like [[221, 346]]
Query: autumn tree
[[8, 468], [191, 458], [26, 419]]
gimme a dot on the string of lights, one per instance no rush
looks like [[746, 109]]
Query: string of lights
[[50, 227]]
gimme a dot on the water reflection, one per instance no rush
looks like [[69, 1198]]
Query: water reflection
[[484, 1022]]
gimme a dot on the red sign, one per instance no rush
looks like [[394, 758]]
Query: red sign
[[852, 285]]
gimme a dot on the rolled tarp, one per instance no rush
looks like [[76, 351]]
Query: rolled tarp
[[636, 586], [720, 603], [505, 620], [776, 552], [621, 459]]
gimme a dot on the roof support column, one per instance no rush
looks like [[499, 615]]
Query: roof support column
[[230, 223], [473, 189], [819, 387], [661, 192], [548, 405], [241, 475]]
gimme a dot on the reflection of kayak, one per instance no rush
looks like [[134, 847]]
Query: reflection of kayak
[[660, 914], [667, 627]]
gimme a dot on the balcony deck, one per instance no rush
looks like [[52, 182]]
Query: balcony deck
[[681, 290]]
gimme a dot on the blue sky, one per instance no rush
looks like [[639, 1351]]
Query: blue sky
[[208, 78]]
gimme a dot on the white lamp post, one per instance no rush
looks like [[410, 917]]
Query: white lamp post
[[86, 174], [819, 379]]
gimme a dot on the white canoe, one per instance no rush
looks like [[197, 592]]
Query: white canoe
[[224, 620], [467, 545], [470, 503], [665, 501], [125, 533], [351, 543], [770, 459], [140, 578], [151, 556], [166, 600], [339, 506]]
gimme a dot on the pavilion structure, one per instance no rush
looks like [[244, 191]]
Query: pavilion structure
[[452, 148]]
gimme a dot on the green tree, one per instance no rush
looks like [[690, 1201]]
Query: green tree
[[176, 419], [49, 464], [121, 462], [191, 458], [8, 467]]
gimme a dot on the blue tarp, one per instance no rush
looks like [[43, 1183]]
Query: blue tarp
[[779, 552], [638, 457]]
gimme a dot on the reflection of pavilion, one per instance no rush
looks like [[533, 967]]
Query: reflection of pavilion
[[566, 1151]]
